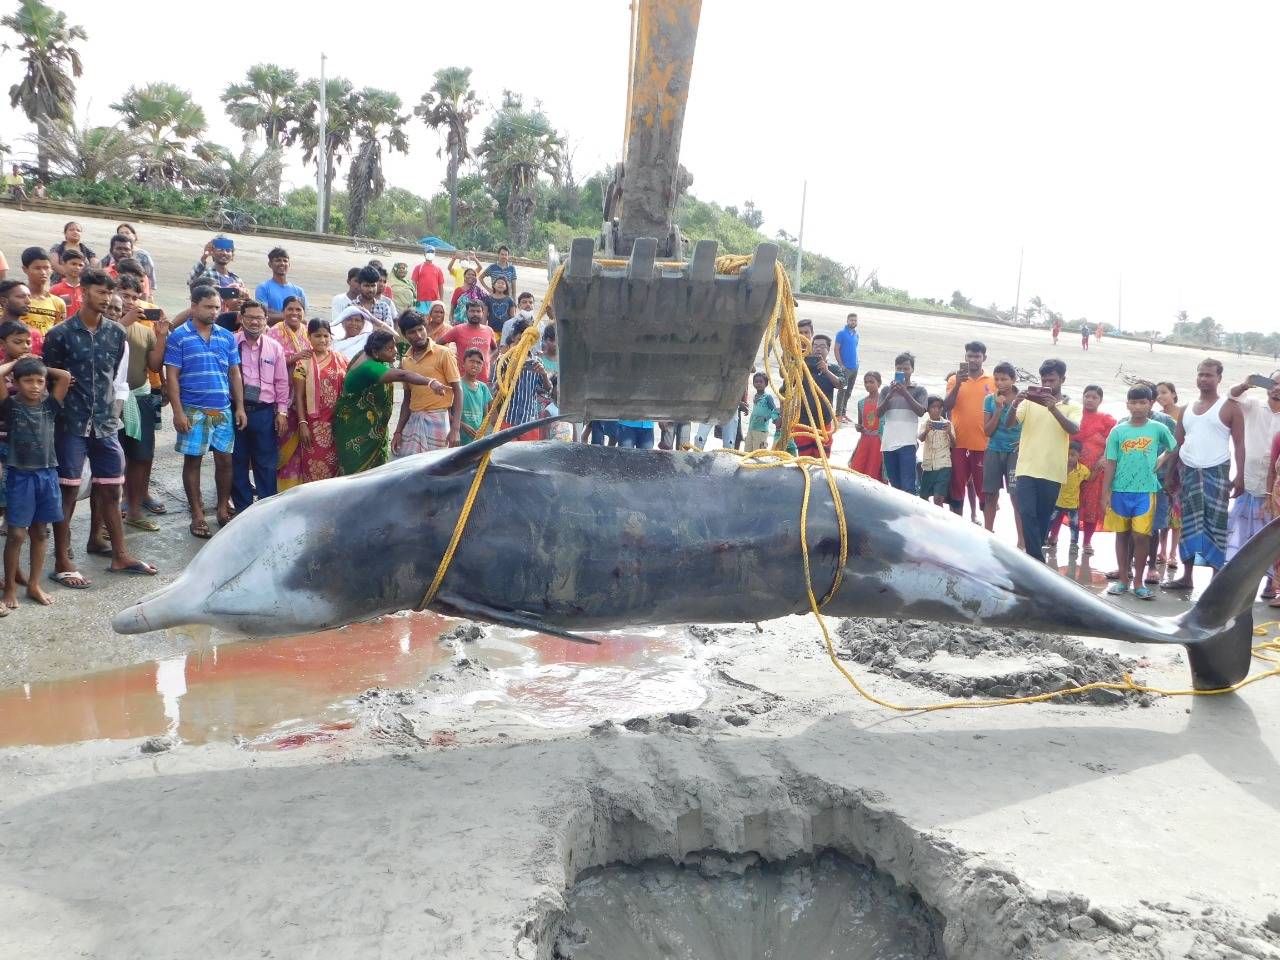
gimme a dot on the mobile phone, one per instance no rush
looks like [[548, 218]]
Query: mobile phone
[[899, 376], [938, 424], [1257, 380], [153, 314], [228, 293]]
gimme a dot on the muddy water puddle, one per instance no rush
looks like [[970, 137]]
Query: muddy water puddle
[[286, 692]]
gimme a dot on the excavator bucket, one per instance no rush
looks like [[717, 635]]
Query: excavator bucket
[[659, 341]]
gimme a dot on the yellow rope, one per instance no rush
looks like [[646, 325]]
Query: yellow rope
[[786, 348]]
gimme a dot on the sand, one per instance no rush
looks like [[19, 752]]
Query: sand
[[440, 821]]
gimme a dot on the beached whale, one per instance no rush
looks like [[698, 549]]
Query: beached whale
[[567, 537]]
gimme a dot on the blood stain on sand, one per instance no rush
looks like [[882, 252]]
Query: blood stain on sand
[[295, 691]]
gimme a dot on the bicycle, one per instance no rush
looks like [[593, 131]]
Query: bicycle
[[1026, 376], [226, 217], [365, 245]]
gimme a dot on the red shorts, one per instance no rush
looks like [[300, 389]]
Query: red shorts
[[966, 469]]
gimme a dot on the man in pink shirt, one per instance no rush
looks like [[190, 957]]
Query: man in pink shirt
[[265, 372], [428, 280]]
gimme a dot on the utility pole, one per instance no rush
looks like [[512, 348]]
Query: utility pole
[[804, 196], [1120, 303], [322, 163], [1017, 297]]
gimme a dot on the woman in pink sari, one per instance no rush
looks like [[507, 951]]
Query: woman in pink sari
[[1094, 428], [317, 379]]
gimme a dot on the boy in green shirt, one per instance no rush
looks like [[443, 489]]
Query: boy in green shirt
[[476, 395], [1135, 449]]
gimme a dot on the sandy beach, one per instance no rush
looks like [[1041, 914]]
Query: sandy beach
[[422, 787]]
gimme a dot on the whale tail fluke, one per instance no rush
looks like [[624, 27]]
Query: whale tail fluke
[[1218, 630]]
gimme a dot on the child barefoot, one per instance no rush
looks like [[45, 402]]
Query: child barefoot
[[866, 457], [938, 437], [32, 493]]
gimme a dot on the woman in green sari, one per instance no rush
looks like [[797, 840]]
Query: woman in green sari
[[363, 410]]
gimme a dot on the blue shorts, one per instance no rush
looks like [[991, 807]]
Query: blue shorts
[[106, 459], [1132, 504], [33, 496], [209, 429]]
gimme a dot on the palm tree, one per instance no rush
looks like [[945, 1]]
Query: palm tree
[[365, 183], [89, 153], [266, 101], [165, 118], [342, 105], [517, 148], [451, 104], [46, 91], [250, 176]]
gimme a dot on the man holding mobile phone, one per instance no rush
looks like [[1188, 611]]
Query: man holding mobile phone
[[967, 392], [213, 269], [1048, 420]]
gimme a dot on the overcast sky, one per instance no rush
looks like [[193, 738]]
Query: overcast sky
[[1132, 140]]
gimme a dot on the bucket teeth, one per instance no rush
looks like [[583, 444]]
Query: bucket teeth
[[648, 341]]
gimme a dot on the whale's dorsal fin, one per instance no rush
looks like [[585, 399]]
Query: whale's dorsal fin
[[468, 455]]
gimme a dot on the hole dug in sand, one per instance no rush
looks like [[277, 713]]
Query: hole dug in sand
[[716, 907], [751, 869]]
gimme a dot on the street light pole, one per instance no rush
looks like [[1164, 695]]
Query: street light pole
[[1017, 297], [804, 196], [322, 163]]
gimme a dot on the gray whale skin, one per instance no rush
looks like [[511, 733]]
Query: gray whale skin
[[567, 537]]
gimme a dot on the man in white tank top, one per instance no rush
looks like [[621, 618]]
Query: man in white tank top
[[1207, 430]]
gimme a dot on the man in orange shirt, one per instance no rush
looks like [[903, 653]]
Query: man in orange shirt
[[967, 390]]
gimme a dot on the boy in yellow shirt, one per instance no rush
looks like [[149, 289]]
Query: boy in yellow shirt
[[1068, 505], [44, 310]]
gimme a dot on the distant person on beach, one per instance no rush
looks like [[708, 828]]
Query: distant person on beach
[[1085, 332], [1055, 330], [148, 265], [16, 186], [504, 268], [428, 280]]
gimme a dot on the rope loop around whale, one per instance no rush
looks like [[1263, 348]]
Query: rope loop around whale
[[785, 349]]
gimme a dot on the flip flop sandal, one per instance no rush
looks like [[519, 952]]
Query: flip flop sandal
[[1172, 565], [1117, 589], [143, 523], [1112, 574], [63, 579], [154, 506], [138, 567], [200, 530], [1151, 578], [1144, 593]]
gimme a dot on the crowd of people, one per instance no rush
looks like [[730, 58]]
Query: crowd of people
[[275, 395], [278, 394], [1175, 483]]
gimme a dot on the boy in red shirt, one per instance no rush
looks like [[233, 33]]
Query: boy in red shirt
[[68, 288]]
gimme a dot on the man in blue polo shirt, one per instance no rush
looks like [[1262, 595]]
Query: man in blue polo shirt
[[846, 347], [272, 293], [204, 387]]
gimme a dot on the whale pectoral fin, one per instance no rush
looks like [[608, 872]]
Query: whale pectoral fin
[[507, 618]]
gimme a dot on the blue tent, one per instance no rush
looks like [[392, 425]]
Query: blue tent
[[438, 244]]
